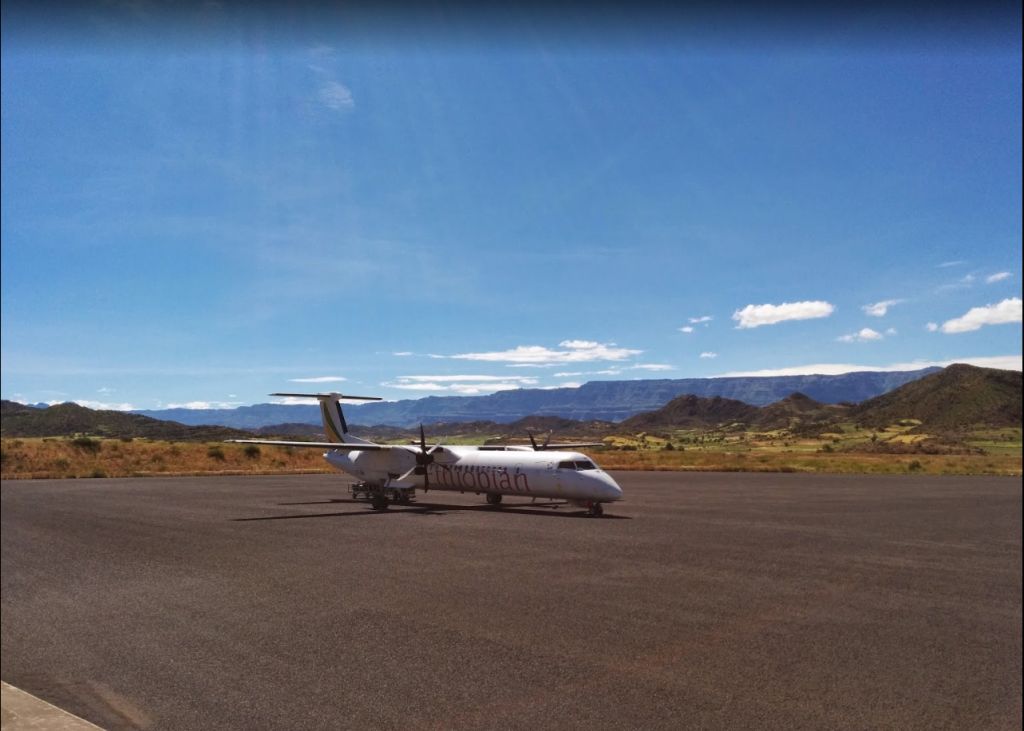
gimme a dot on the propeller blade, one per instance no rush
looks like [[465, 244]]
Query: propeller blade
[[547, 439], [533, 441], [423, 440]]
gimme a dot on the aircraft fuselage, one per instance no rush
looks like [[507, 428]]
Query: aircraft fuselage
[[550, 474]]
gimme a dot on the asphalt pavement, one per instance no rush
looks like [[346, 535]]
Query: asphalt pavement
[[703, 600]]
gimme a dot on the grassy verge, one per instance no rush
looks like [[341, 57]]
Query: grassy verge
[[59, 457], [63, 457], [756, 460]]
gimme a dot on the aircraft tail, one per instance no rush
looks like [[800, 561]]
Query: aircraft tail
[[335, 425]]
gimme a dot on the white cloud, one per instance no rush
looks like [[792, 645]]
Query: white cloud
[[708, 354], [879, 309], [570, 384], [455, 379], [573, 351], [318, 379], [98, 405], [686, 329], [699, 320], [402, 353], [653, 367], [947, 264], [569, 374], [1007, 311], [891, 331], [758, 315], [471, 385], [861, 336], [968, 279], [202, 405], [932, 327], [335, 95], [998, 277], [1003, 362]]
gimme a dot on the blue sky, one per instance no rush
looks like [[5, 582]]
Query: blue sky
[[204, 213]]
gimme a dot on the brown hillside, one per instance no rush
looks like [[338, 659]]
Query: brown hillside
[[957, 397], [693, 412]]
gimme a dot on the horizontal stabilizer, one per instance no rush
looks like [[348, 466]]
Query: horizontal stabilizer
[[330, 395]]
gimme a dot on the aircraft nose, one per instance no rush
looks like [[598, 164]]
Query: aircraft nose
[[611, 489]]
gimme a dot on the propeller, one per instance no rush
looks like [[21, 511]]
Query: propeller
[[424, 458], [542, 447]]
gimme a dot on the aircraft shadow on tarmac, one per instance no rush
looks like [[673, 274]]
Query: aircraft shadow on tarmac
[[544, 510]]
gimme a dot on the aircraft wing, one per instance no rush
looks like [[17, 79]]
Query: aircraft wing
[[560, 447], [316, 445]]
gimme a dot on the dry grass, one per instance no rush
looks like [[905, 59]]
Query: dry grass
[[84, 457], [58, 457], [805, 461]]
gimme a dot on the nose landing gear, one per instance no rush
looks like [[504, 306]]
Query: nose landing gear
[[594, 510], [494, 499]]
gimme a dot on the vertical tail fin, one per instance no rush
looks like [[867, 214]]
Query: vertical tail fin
[[335, 425]]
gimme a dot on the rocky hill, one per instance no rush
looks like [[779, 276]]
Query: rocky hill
[[18, 420], [957, 397], [693, 412]]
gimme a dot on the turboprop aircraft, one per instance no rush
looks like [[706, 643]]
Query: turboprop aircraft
[[547, 470]]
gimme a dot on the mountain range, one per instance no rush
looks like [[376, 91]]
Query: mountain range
[[948, 400], [603, 400]]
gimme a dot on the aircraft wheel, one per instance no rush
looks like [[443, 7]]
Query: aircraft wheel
[[596, 511], [403, 498], [494, 498], [379, 502]]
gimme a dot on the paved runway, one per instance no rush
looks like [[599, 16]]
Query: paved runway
[[704, 601]]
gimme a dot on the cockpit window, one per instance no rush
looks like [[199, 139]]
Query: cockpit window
[[580, 464]]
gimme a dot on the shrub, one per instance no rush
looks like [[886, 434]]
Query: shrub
[[86, 444], [215, 453], [127, 439], [668, 447], [915, 466], [98, 473], [252, 451]]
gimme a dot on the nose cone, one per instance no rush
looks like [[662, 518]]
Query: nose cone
[[610, 488]]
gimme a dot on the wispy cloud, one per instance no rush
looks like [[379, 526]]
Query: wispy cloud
[[1007, 311], [700, 320], [947, 264], [319, 379], [861, 336], [97, 405], [686, 329], [572, 351], [757, 315], [335, 95], [330, 92], [204, 405], [879, 309], [403, 353], [932, 327], [464, 385], [998, 277], [1004, 362], [708, 354], [653, 367]]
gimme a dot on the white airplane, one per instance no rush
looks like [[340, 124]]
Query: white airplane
[[530, 471]]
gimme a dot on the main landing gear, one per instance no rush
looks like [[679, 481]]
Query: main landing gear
[[379, 501], [594, 510], [494, 498]]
